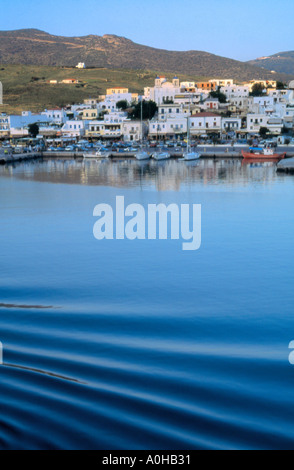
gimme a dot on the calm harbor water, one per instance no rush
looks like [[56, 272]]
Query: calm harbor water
[[120, 344]]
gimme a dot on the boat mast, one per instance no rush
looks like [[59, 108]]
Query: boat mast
[[141, 121], [188, 127]]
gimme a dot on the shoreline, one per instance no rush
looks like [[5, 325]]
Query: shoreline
[[18, 158]]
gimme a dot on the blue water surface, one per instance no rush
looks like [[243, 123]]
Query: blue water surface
[[121, 344]]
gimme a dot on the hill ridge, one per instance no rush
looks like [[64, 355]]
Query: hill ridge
[[37, 47]]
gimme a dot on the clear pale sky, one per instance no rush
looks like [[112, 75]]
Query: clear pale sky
[[230, 28]]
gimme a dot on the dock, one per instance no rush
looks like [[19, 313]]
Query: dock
[[15, 158], [205, 152]]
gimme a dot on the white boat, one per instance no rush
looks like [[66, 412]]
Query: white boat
[[189, 155], [142, 155], [98, 154], [161, 156]]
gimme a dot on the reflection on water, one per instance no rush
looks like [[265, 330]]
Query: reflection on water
[[146, 346], [171, 175]]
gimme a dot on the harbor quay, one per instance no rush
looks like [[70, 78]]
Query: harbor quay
[[205, 152]]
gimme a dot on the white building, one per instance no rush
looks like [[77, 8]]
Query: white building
[[211, 103], [134, 131], [18, 126], [55, 115], [110, 127], [109, 104], [205, 123], [74, 128], [170, 129], [231, 125], [256, 121], [235, 91], [222, 82], [171, 122], [188, 98], [163, 91]]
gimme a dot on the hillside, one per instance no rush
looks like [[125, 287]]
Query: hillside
[[27, 87], [282, 62], [34, 47]]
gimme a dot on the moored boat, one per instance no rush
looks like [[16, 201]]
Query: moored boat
[[161, 156], [264, 154], [142, 155], [98, 154], [191, 156]]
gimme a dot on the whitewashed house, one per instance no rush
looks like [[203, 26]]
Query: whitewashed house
[[110, 127], [205, 122], [170, 129], [134, 131], [255, 121], [56, 115], [231, 125], [18, 125], [235, 91], [74, 128], [211, 104], [171, 122]]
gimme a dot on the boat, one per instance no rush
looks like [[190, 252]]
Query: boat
[[161, 156], [142, 155], [190, 155], [263, 154], [98, 154]]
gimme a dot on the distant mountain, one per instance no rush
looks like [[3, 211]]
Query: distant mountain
[[282, 62], [34, 47]]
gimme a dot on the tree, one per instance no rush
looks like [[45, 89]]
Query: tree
[[149, 108], [263, 131], [123, 104], [219, 95], [257, 89], [281, 86], [33, 130]]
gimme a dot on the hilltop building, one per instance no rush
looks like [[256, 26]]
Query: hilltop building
[[81, 65]]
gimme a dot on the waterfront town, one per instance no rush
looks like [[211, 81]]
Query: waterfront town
[[217, 110]]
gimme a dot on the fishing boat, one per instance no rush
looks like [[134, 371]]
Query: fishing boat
[[263, 154]]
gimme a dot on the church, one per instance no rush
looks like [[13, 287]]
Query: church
[[163, 91]]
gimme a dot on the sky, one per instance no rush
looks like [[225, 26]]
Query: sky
[[229, 28]]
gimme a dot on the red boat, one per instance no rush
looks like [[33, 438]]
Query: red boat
[[267, 154]]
